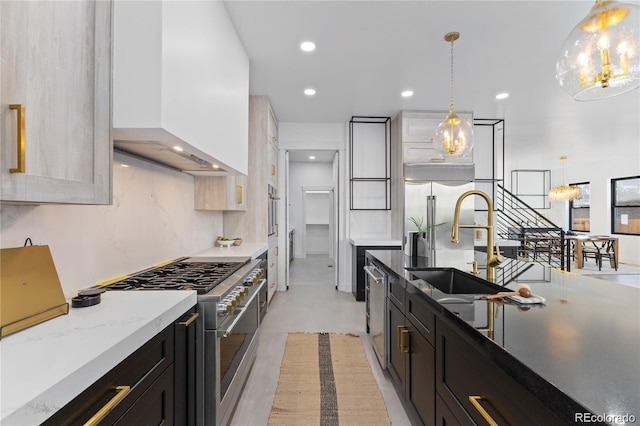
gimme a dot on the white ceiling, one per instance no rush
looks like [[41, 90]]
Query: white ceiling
[[369, 51]]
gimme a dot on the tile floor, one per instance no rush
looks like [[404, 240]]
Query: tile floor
[[313, 304]]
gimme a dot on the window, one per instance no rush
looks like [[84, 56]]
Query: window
[[579, 210], [625, 205]]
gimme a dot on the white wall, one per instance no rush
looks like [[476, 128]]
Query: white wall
[[150, 221]]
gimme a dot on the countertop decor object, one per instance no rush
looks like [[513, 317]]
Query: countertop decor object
[[224, 243], [237, 241], [454, 136], [600, 57]]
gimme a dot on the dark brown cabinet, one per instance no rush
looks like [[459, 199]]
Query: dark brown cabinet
[[150, 387], [476, 390], [411, 363]]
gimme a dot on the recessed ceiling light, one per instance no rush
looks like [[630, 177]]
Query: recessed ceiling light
[[407, 93], [502, 95], [124, 165], [215, 166], [309, 92], [178, 148], [312, 157], [308, 46]]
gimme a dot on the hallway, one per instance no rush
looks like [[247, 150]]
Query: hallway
[[312, 304]]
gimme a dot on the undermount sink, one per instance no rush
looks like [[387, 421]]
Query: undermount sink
[[454, 281]]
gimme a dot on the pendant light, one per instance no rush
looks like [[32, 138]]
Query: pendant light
[[601, 56], [564, 192], [454, 136]]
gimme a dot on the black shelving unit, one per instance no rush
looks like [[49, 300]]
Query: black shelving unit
[[363, 174]]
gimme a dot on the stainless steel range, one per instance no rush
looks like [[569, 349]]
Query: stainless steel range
[[226, 340]]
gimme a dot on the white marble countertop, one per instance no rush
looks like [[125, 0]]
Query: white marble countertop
[[252, 250], [45, 366], [374, 242]]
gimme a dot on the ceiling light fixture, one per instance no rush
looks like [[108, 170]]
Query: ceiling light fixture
[[600, 57], [500, 96], [178, 148], [407, 93], [309, 92], [454, 136], [312, 157], [307, 46], [564, 192]]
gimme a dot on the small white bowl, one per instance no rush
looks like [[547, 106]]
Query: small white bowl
[[225, 243]]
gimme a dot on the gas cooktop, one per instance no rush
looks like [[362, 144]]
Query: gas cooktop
[[180, 275]]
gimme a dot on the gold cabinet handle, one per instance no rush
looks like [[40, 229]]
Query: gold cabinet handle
[[273, 170], [21, 141], [191, 319], [404, 347], [238, 194], [121, 392], [262, 304], [475, 401], [398, 336]]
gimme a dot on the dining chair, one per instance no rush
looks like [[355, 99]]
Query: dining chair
[[599, 250]]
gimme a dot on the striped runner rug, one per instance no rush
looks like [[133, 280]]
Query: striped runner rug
[[325, 379]]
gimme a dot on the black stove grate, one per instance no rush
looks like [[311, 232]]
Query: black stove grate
[[199, 276]]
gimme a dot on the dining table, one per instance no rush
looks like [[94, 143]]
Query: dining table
[[578, 244]]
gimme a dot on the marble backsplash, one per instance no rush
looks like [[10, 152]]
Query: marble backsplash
[[151, 220]]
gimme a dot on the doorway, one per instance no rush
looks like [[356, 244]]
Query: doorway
[[312, 213]]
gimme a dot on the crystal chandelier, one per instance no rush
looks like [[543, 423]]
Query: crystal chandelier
[[564, 192], [601, 56], [454, 136]]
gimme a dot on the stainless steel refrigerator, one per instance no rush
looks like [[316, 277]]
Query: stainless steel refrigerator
[[430, 195]]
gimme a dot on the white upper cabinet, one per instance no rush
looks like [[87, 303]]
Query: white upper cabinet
[[55, 75], [181, 77], [418, 132]]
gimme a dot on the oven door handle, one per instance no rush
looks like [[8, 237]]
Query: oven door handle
[[243, 310]]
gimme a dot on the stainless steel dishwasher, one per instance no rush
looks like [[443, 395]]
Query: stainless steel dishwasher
[[376, 302]]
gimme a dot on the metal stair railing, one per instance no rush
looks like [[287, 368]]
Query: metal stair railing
[[540, 239]]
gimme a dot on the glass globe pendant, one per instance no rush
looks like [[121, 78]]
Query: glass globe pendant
[[454, 136], [600, 57]]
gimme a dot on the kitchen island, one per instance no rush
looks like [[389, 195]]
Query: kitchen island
[[578, 354], [46, 366]]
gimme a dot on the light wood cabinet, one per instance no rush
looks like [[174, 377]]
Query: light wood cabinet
[[272, 131], [56, 62], [418, 129], [252, 225], [220, 193]]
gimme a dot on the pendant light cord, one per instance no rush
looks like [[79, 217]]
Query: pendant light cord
[[451, 91]]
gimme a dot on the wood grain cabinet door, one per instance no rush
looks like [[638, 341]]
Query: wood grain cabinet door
[[56, 64]]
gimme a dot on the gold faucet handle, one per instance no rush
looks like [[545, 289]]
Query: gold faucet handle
[[474, 267], [499, 254]]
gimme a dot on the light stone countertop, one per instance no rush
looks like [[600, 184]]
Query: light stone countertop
[[251, 250], [45, 366], [375, 242]]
